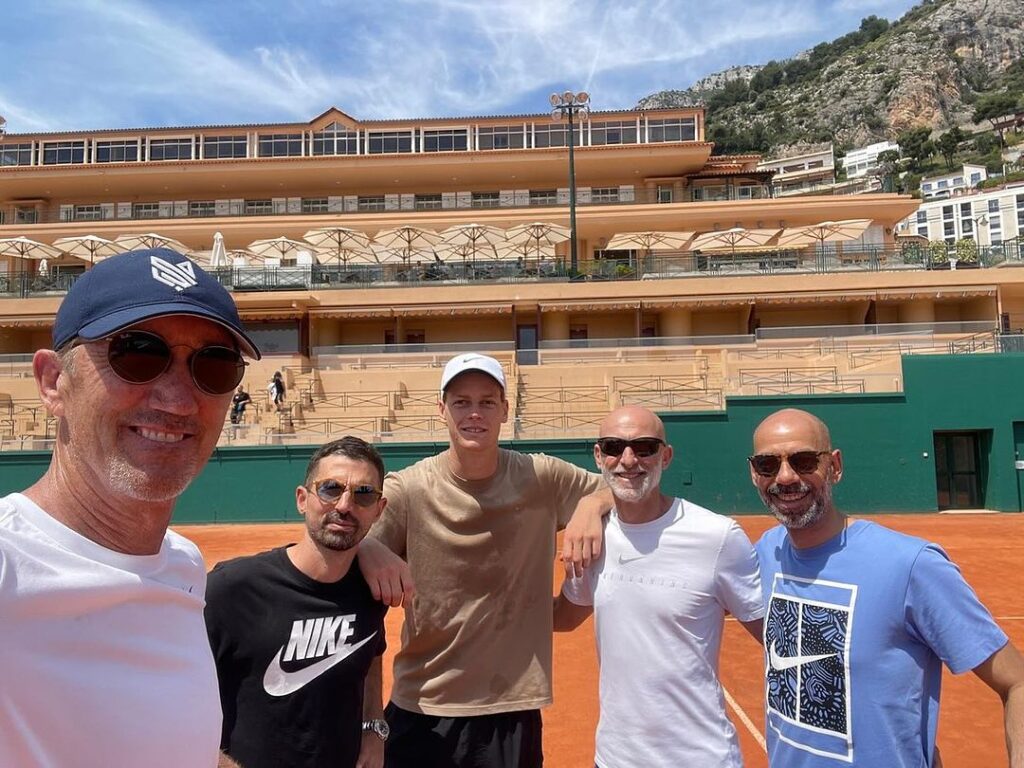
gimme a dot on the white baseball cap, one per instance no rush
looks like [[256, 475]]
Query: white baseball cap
[[472, 362]]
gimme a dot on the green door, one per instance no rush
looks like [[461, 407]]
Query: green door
[[957, 480]]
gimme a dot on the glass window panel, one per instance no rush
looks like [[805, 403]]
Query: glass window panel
[[280, 145], [117, 151], [15, 154], [63, 152], [453, 140], [216, 147]]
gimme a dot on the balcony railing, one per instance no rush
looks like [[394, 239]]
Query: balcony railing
[[428, 272], [373, 204]]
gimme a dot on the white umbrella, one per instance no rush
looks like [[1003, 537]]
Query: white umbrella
[[469, 239], [734, 238], [89, 248], [407, 239], [25, 248], [277, 248], [241, 258], [219, 254], [649, 241], [343, 242], [537, 234], [826, 231], [151, 240]]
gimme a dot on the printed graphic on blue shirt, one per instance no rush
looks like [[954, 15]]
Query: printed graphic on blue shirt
[[807, 638]]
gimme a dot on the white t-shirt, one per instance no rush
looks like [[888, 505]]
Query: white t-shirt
[[104, 658], [660, 591]]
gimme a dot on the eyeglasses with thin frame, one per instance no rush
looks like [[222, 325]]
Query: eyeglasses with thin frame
[[139, 357], [330, 491], [801, 462], [642, 447]]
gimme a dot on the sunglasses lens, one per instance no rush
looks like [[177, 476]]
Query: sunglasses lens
[[365, 495], [766, 465], [803, 463], [642, 447], [138, 357], [645, 446], [611, 446], [217, 370], [329, 491]]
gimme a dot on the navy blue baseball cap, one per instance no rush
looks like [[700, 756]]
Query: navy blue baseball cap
[[142, 285]]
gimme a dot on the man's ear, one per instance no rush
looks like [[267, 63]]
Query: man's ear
[[48, 370], [597, 456], [666, 456], [836, 459], [301, 494]]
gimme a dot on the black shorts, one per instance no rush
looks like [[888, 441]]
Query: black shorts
[[504, 740]]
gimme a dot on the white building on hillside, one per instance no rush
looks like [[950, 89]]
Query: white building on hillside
[[863, 160], [990, 217], [809, 172], [953, 183]]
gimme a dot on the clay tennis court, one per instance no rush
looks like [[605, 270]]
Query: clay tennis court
[[970, 727]]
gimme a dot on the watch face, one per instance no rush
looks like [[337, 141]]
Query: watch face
[[381, 728]]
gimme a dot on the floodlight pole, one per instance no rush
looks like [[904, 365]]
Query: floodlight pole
[[571, 104]]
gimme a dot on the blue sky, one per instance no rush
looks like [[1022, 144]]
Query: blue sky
[[84, 64]]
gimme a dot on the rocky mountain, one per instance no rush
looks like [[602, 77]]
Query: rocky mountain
[[928, 69]]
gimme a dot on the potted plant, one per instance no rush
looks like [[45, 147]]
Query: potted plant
[[966, 253], [938, 254]]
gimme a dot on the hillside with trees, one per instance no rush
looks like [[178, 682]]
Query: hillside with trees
[[936, 81]]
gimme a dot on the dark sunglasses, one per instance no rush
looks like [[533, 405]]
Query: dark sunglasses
[[801, 462], [642, 447], [139, 357], [330, 491]]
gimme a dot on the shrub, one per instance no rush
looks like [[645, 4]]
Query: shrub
[[966, 250], [938, 251]]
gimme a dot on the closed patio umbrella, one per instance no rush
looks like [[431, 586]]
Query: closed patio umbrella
[[219, 254]]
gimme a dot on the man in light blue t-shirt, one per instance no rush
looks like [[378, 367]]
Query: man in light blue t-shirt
[[859, 620]]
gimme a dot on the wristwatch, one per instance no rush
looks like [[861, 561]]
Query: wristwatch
[[379, 728]]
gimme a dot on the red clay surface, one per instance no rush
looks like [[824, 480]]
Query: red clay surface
[[986, 547]]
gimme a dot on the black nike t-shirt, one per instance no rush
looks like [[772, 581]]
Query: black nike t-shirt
[[292, 656]]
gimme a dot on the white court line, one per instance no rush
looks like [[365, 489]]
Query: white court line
[[747, 722]]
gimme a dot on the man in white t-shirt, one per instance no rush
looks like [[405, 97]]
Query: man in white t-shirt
[[667, 574], [104, 658]]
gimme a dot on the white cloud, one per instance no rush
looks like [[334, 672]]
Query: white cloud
[[162, 62]]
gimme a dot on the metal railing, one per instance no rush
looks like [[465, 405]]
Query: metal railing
[[428, 272]]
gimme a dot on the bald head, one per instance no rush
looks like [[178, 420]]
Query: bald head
[[791, 425], [632, 421]]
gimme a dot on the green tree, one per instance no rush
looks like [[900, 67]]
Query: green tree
[[994, 106], [948, 144], [916, 146], [886, 167]]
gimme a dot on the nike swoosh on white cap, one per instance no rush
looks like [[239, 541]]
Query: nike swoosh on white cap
[[277, 682], [780, 663]]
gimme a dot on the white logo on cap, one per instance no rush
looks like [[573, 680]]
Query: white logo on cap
[[178, 276]]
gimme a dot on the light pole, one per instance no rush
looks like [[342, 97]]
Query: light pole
[[569, 105]]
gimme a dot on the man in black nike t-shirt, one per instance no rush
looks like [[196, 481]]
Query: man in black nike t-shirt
[[296, 634]]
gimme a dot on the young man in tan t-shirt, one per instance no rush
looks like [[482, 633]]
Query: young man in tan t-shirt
[[477, 525]]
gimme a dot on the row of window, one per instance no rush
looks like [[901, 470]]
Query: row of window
[[338, 140]]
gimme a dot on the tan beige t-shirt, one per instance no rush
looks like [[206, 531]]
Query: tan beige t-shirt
[[477, 636]]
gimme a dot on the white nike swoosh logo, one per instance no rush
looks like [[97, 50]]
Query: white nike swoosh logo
[[624, 560], [277, 682], [779, 663]]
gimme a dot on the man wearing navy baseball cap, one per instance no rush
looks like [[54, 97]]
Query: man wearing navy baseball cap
[[102, 605]]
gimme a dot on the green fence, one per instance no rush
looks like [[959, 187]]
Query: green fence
[[887, 443]]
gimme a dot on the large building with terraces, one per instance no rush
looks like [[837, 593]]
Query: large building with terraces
[[682, 329]]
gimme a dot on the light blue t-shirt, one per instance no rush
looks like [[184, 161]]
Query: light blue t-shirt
[[856, 631]]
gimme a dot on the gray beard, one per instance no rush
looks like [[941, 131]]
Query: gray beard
[[650, 483], [813, 513]]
